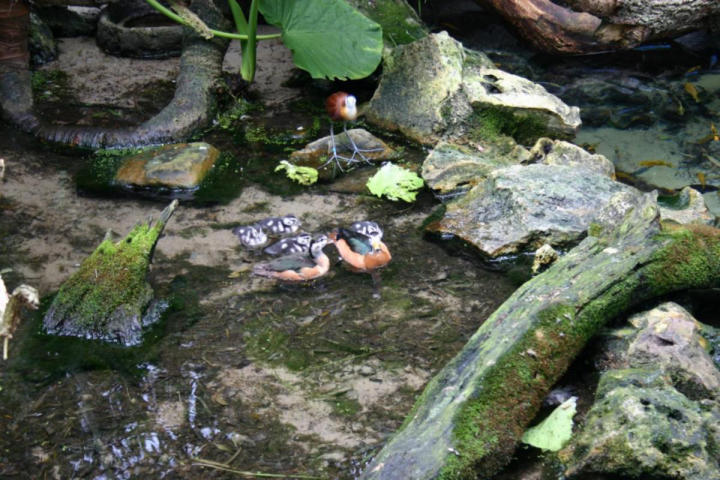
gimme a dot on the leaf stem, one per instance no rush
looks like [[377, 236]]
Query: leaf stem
[[218, 33]]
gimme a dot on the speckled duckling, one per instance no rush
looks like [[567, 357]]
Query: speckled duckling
[[298, 268], [369, 228], [280, 225], [251, 236], [291, 245]]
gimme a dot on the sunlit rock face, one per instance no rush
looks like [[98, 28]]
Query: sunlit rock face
[[182, 165], [435, 88], [519, 208]]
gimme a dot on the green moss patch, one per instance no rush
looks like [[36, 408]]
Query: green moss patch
[[489, 123]]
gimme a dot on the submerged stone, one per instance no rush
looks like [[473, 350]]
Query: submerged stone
[[316, 154], [41, 41], [686, 207], [656, 412], [520, 208], [181, 165]]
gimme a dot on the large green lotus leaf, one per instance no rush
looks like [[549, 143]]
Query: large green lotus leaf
[[328, 38]]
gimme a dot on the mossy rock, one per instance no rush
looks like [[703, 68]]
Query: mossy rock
[[109, 294], [187, 171]]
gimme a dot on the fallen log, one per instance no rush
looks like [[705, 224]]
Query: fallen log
[[467, 422], [587, 26]]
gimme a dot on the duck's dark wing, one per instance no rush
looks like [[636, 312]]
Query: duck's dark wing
[[277, 248], [357, 242], [290, 262]]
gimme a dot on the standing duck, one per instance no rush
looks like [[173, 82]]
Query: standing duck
[[363, 253], [298, 268], [343, 106]]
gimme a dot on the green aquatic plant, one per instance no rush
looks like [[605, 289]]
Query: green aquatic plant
[[396, 183], [328, 38], [555, 431], [302, 175]]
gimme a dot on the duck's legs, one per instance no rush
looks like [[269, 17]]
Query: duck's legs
[[375, 275]]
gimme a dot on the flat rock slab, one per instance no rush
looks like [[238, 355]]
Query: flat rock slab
[[181, 165], [450, 168], [560, 152], [315, 154], [521, 208]]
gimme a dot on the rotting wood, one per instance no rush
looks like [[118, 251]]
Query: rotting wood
[[467, 422], [587, 26]]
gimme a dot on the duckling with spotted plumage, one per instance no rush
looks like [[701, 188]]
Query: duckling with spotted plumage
[[251, 236], [290, 245], [298, 268], [280, 225]]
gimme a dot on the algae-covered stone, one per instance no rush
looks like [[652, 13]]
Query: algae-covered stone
[[452, 168], [418, 79], [668, 338], [434, 88], [560, 152], [181, 165], [656, 411], [640, 432], [522, 207], [108, 295], [489, 87]]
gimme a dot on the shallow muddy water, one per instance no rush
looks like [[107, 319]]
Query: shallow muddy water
[[279, 379], [297, 381]]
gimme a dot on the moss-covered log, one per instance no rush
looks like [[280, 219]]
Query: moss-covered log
[[108, 295], [468, 420]]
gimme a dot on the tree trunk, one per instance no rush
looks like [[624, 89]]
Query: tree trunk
[[467, 422], [598, 25]]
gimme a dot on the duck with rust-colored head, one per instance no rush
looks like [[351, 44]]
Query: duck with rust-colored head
[[363, 252], [298, 268]]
